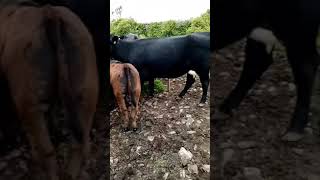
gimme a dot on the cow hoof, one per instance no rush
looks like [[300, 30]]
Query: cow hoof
[[135, 129], [201, 104], [126, 129], [181, 95], [292, 137]]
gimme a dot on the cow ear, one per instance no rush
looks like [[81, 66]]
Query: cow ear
[[115, 39]]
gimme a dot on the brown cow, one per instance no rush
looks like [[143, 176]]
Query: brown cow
[[125, 82], [47, 55]]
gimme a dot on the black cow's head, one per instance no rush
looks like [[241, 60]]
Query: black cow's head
[[113, 41], [129, 36]]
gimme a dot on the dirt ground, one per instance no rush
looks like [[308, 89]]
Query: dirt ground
[[249, 143], [168, 123]]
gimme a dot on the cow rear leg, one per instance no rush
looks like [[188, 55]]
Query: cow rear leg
[[190, 80], [82, 116], [123, 111], [135, 110], [257, 62], [9, 125], [315, 104], [304, 62], [44, 158], [134, 113], [204, 79], [151, 87]]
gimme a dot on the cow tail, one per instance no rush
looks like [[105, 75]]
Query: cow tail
[[130, 83], [56, 35]]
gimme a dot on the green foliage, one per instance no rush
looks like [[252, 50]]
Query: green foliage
[[159, 87], [168, 28], [161, 29], [153, 30], [182, 27], [124, 26], [200, 24]]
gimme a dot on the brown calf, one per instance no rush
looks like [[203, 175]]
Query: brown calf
[[125, 82], [47, 55]]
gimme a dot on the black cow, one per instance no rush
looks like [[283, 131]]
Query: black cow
[[167, 58], [294, 23]]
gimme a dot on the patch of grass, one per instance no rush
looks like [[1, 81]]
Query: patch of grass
[[159, 87]]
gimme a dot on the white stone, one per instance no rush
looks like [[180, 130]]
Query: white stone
[[193, 168], [165, 176], [151, 138], [206, 168], [185, 156]]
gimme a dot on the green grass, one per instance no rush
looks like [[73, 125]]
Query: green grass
[[159, 87]]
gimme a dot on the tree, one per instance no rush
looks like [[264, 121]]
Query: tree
[[117, 11], [168, 28], [124, 26], [200, 24], [182, 27], [141, 30], [153, 29]]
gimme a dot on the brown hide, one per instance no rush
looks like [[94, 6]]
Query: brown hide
[[47, 54], [125, 82]]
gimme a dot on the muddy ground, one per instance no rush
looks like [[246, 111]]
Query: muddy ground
[[168, 123], [249, 143]]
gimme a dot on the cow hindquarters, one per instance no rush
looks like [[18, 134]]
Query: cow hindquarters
[[77, 84]]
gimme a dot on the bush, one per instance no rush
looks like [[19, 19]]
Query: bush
[[122, 27], [169, 28], [159, 87], [200, 24]]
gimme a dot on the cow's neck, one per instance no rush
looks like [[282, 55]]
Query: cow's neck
[[123, 51]]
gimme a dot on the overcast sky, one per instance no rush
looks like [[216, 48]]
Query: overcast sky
[[145, 11]]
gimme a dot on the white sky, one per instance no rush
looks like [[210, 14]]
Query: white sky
[[145, 11]]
